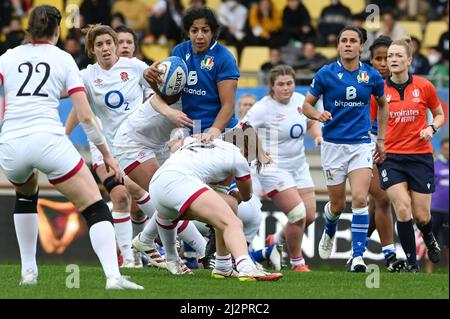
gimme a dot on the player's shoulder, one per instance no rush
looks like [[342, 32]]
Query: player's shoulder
[[296, 96], [421, 81], [182, 47]]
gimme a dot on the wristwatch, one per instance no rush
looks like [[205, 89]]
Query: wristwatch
[[433, 128]]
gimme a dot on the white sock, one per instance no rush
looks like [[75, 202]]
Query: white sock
[[145, 204], [150, 231], [27, 233], [191, 236], [244, 264], [104, 244], [297, 261], [223, 263], [124, 232], [168, 234], [278, 239], [138, 225]]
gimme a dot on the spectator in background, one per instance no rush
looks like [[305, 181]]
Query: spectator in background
[[390, 28], [245, 103], [134, 13], [95, 11], [233, 17], [419, 65], [166, 21], [117, 19], [439, 199], [437, 9], [310, 60], [358, 20], [15, 34], [443, 43], [265, 23], [332, 19], [274, 60], [198, 4], [439, 70], [297, 22], [72, 46]]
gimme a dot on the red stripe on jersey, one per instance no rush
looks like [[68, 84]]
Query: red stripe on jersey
[[68, 175], [94, 166], [272, 193], [122, 220], [1, 77], [131, 167], [191, 199], [75, 90], [182, 227], [243, 178], [145, 200], [20, 184]]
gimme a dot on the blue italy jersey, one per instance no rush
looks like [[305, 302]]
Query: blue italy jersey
[[346, 95], [201, 100]]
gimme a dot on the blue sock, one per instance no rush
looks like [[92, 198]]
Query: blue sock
[[262, 254], [360, 225], [387, 250]]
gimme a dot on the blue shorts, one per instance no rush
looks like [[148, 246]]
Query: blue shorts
[[415, 169]]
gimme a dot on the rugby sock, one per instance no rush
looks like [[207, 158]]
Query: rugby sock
[[278, 238], [427, 232], [387, 250], [138, 225], [190, 235], [297, 261], [190, 256], [145, 204], [168, 234], [408, 240], [124, 232], [360, 225], [150, 231], [223, 263], [262, 254], [330, 221], [104, 245], [27, 234], [245, 264]]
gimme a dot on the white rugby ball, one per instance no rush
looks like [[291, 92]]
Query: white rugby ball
[[174, 74]]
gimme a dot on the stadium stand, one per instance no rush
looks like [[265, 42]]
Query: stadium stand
[[253, 57], [315, 7], [413, 27], [59, 4], [155, 52], [356, 6], [328, 52], [433, 31]]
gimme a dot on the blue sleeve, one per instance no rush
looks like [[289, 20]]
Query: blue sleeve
[[378, 86], [317, 87], [228, 69], [177, 51]]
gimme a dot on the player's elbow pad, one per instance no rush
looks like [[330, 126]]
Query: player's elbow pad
[[93, 132]]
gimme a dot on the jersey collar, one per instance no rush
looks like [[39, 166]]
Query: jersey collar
[[390, 83], [340, 63], [42, 42]]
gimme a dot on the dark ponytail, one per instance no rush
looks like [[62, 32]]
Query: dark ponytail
[[43, 22]]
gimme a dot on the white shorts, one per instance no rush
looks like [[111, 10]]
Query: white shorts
[[274, 179], [52, 154], [131, 154], [340, 159], [172, 193]]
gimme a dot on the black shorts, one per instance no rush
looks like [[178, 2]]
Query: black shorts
[[415, 169]]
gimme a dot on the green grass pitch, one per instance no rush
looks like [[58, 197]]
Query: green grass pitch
[[324, 283]]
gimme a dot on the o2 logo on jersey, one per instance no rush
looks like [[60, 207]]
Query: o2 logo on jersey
[[114, 99], [192, 78], [296, 131], [350, 93]]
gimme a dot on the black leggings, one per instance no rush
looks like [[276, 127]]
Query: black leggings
[[440, 223]]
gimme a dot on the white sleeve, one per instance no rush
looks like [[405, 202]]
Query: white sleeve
[[73, 82], [256, 116], [241, 168], [141, 67]]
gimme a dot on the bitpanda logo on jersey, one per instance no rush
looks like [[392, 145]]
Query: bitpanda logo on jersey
[[124, 76], [363, 77], [207, 63]]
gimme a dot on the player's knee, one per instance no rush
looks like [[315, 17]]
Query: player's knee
[[137, 214], [296, 214], [359, 200], [96, 213], [403, 211], [422, 219], [26, 204], [110, 183], [337, 206], [121, 200]]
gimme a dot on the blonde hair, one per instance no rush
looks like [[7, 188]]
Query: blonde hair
[[92, 32], [406, 43]]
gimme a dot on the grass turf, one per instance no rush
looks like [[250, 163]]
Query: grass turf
[[160, 284]]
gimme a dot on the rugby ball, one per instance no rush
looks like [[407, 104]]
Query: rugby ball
[[174, 74]]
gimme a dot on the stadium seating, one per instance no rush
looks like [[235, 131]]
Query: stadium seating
[[280, 4], [155, 52], [253, 57], [315, 7], [433, 31], [328, 52], [355, 6], [413, 28], [59, 4], [248, 81], [77, 2]]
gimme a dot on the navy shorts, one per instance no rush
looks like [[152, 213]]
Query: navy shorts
[[415, 169]]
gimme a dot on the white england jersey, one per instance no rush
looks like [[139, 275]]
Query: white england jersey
[[284, 130], [211, 163], [150, 128], [34, 76], [115, 93]]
